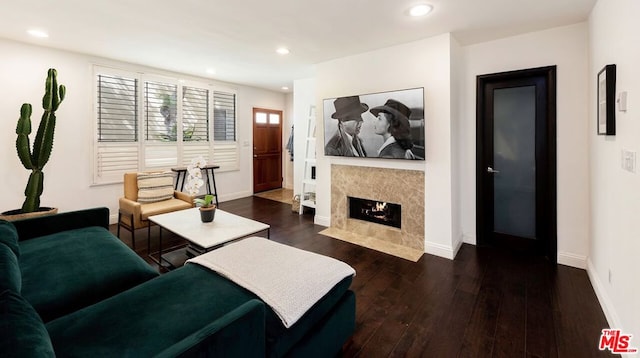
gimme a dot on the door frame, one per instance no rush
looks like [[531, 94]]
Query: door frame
[[546, 175]]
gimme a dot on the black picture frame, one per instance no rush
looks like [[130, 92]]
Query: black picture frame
[[606, 100]]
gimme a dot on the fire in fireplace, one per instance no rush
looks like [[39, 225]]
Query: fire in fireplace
[[375, 211]]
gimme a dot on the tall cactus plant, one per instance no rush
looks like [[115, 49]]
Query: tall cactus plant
[[43, 142]]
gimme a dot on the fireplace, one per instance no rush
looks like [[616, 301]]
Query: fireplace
[[385, 185], [374, 211]]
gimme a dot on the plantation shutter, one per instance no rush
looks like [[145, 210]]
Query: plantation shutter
[[195, 124], [224, 116], [117, 109], [161, 125], [160, 111], [146, 122], [225, 148], [117, 128], [195, 114]]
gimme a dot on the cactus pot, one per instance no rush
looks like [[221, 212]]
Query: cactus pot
[[207, 213], [17, 214]]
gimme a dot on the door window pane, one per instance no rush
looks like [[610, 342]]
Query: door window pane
[[274, 118], [261, 117], [514, 185]]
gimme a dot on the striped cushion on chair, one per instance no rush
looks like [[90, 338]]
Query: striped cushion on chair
[[153, 187]]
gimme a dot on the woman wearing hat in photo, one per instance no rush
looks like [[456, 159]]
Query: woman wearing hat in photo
[[346, 142], [392, 123]]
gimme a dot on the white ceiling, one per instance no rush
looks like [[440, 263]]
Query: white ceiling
[[238, 38]]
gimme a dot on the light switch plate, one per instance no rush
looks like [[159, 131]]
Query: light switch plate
[[622, 101], [629, 161]]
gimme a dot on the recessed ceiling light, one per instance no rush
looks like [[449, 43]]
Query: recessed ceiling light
[[38, 33], [283, 51], [211, 71], [420, 10], [285, 88]]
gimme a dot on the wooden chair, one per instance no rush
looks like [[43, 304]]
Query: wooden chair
[[134, 215]]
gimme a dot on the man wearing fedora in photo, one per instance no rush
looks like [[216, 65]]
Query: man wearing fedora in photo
[[346, 142]]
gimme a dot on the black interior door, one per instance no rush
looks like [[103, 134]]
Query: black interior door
[[516, 161]]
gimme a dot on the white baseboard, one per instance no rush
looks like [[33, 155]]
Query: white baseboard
[[573, 260], [440, 250], [234, 196], [605, 302], [469, 239], [459, 243], [322, 220]]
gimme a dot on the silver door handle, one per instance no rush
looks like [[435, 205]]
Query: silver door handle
[[492, 171]]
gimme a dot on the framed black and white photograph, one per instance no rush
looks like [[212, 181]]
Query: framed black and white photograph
[[606, 100], [386, 125]]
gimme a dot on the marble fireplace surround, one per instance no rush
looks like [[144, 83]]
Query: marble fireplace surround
[[400, 186]]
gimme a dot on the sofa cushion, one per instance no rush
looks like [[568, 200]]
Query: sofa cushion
[[10, 276], [189, 297], [22, 333], [9, 236], [66, 271], [165, 310], [154, 187]]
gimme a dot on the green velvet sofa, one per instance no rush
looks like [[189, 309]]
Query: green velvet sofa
[[69, 288]]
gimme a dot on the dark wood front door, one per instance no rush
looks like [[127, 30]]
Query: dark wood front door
[[516, 161], [267, 149]]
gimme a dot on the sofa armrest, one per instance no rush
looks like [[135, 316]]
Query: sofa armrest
[[51, 224], [239, 333]]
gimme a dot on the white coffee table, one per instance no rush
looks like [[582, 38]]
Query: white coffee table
[[203, 237]]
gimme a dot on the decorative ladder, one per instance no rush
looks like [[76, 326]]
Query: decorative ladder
[[308, 197]]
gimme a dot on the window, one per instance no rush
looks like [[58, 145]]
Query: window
[[161, 111], [195, 114], [146, 123], [224, 116], [117, 109]]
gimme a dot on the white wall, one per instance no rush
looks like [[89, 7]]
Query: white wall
[[68, 174], [615, 194], [456, 143], [566, 47], [424, 63]]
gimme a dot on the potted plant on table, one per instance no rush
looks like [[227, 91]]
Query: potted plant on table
[[207, 208], [42, 145], [193, 185]]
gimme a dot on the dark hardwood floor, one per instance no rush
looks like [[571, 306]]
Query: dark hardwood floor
[[485, 303]]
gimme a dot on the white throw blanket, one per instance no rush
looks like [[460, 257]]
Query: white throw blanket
[[288, 279]]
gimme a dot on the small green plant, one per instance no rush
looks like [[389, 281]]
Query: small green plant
[[43, 143], [206, 202]]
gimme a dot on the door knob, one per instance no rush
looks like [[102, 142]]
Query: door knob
[[255, 156], [492, 171]]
